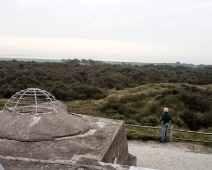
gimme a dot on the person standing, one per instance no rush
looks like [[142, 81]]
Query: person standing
[[165, 124]]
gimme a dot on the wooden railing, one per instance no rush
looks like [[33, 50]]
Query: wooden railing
[[171, 130]]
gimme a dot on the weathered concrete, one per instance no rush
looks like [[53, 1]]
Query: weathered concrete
[[97, 143], [28, 127], [81, 164], [118, 148], [62, 141]]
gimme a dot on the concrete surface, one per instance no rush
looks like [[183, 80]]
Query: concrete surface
[[99, 139], [62, 141], [28, 127]]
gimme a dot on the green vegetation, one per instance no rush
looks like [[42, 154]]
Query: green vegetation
[[135, 94], [143, 105]]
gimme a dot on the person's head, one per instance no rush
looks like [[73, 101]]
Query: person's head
[[165, 109]]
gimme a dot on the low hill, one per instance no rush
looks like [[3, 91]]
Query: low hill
[[190, 105]]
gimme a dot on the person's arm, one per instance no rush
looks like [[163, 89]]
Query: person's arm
[[161, 120]]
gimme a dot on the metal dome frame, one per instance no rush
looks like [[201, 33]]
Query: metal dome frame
[[32, 101]]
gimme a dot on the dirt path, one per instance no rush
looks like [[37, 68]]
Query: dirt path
[[170, 156]]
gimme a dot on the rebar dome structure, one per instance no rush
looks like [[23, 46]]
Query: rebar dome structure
[[32, 101]]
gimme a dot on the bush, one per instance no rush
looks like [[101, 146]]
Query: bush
[[150, 121], [9, 92], [117, 116], [195, 102], [110, 112], [177, 121], [193, 120], [153, 107], [131, 121], [207, 120]]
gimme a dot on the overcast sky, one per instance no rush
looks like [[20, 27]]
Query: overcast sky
[[110, 30]]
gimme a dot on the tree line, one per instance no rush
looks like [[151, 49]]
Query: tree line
[[72, 80]]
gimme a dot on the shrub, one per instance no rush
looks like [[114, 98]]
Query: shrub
[[195, 102], [110, 111], [9, 92], [207, 119], [150, 121], [154, 108], [177, 121], [131, 121], [193, 120], [117, 116]]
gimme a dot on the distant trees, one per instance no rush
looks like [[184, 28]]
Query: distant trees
[[92, 75], [81, 62], [88, 79]]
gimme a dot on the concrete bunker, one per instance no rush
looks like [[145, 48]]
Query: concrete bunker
[[37, 131]]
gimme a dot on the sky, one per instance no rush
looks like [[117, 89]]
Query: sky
[[152, 31]]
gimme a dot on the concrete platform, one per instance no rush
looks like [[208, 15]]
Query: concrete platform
[[62, 141], [105, 141]]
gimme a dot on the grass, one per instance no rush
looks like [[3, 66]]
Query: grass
[[192, 136], [86, 107], [136, 133], [2, 103]]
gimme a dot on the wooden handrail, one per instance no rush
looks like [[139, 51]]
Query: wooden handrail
[[171, 135], [192, 132], [151, 127]]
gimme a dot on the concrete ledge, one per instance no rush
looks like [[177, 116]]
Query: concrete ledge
[[117, 151]]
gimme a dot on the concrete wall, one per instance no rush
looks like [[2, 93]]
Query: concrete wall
[[118, 149]]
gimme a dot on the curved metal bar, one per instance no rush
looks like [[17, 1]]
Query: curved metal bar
[[33, 100]]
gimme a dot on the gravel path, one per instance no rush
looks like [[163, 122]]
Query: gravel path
[[170, 156]]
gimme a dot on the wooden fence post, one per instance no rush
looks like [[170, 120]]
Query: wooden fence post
[[171, 133]]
